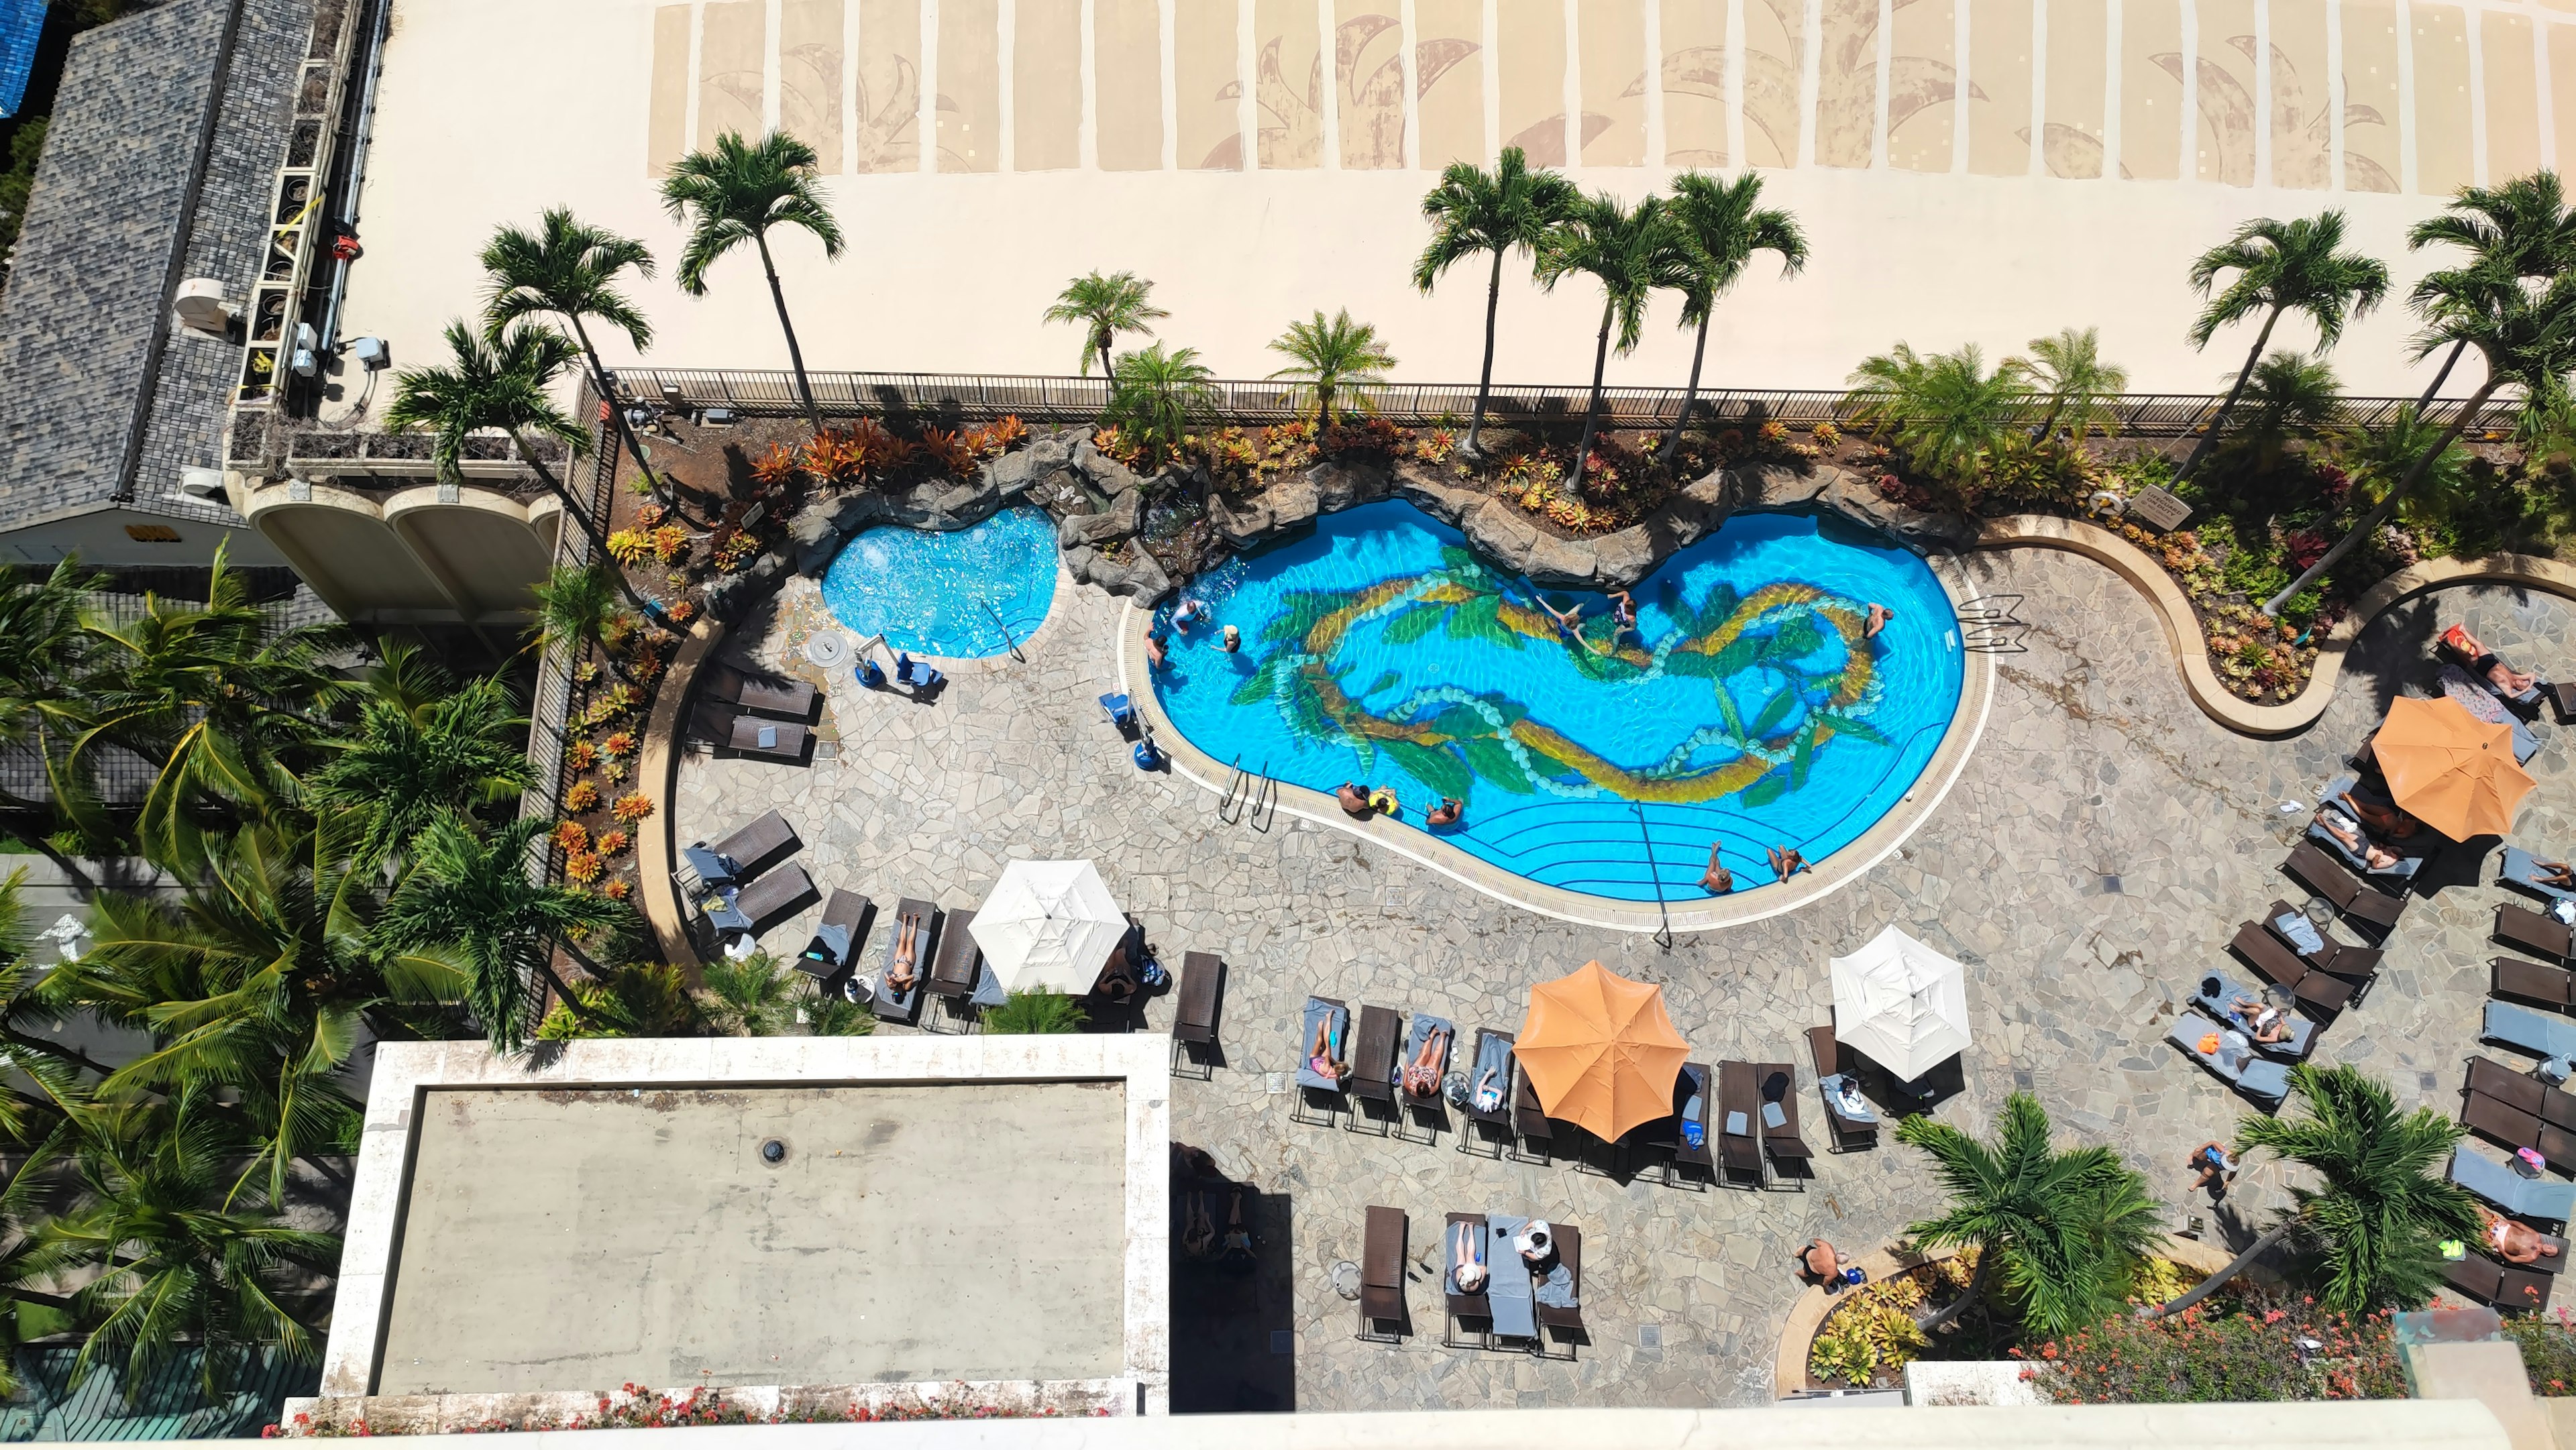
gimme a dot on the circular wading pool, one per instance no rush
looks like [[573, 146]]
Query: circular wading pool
[[964, 594]]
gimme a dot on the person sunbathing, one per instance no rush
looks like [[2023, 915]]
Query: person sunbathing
[[2348, 835], [2553, 873], [1354, 799], [1786, 862], [1238, 1234], [907, 951], [2516, 1243], [2484, 661], [1467, 1259], [1320, 1053], [1422, 1075], [2259, 1019], [1717, 878], [1489, 1092], [1198, 1232]]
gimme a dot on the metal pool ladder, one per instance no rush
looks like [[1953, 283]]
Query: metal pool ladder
[[1249, 794]]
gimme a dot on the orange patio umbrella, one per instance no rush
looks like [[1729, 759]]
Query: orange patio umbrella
[[1600, 1051], [2450, 769]]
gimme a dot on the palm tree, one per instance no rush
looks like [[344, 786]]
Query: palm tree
[[1472, 211], [832, 1014], [2522, 227], [576, 607], [1616, 245], [2528, 340], [2063, 1228], [2081, 388], [2382, 454], [501, 387], [2288, 399], [2376, 1222], [1330, 356], [409, 758], [2280, 267], [261, 978], [569, 270], [1105, 306], [1716, 229], [642, 999], [42, 651], [228, 703], [171, 1258], [470, 896], [735, 194], [1948, 413], [752, 997], [1153, 394]]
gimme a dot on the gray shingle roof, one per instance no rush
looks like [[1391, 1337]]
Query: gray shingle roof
[[167, 131]]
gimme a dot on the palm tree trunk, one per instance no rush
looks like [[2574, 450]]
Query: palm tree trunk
[[2208, 1286], [563, 992], [2056, 405], [2443, 376], [1975, 1290], [795, 354], [625, 430], [1690, 396], [2370, 522], [2218, 424], [1592, 406], [582, 516], [1485, 378], [1106, 367]]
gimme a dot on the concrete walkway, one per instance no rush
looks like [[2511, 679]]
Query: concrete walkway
[[2096, 854]]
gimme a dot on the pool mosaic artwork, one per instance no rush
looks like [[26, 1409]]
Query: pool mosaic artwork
[[1749, 708], [965, 594]]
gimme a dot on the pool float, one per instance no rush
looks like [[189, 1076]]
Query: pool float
[[1383, 802]]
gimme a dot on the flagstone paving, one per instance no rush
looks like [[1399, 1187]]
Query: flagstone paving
[[2096, 854]]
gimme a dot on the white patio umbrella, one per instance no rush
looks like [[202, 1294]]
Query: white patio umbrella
[[1901, 1003], [1049, 924]]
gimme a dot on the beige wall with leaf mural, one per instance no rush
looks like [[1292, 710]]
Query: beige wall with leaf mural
[[1968, 170]]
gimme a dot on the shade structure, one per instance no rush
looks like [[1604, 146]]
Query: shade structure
[[1048, 925], [2449, 769], [1600, 1051], [1901, 1004]]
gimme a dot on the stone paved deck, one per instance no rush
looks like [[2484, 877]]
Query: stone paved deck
[[2094, 765]]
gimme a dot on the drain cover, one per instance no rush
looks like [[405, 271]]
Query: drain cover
[[827, 647], [773, 1152]]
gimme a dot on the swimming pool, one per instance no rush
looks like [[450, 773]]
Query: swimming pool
[[1748, 709], [961, 595]]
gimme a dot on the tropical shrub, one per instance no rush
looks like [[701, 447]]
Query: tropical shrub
[[2548, 1344], [2264, 1349], [1038, 1012]]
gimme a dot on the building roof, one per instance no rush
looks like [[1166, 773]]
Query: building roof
[[167, 133]]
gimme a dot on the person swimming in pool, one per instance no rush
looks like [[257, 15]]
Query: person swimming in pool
[[1354, 799], [1154, 651], [1189, 613], [1446, 813], [1232, 639], [1569, 622], [1786, 862], [1879, 615]]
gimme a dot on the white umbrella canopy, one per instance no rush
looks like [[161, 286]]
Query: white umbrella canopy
[[1901, 1003], [1049, 924]]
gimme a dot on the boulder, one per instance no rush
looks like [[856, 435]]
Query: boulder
[[1770, 485], [1339, 486], [817, 533], [1119, 521], [1293, 501], [731, 598], [1621, 559], [1102, 471], [1501, 535], [1240, 525], [1134, 573], [1567, 563]]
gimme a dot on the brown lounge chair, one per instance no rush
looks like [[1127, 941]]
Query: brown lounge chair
[[1464, 1307], [761, 843], [1697, 1080], [2506, 1286], [2554, 1107], [2530, 981], [2268, 954], [2328, 878], [851, 912], [1372, 1075], [774, 696], [2520, 926], [958, 965], [1739, 1121], [769, 739], [1195, 1005], [2515, 1128], [1382, 1273], [1569, 1252], [776, 896], [1842, 1134], [1778, 1084], [2357, 965]]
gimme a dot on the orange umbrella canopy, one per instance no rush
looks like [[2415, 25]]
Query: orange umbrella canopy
[[2450, 769], [1600, 1051]]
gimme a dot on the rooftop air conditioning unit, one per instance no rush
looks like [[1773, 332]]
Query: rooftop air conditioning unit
[[202, 483], [200, 305]]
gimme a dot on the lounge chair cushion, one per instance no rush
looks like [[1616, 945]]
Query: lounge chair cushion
[[2541, 1034], [2539, 1198]]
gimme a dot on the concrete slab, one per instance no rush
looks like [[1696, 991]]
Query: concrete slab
[[562, 1239]]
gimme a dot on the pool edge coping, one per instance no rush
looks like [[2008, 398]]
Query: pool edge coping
[[1845, 866]]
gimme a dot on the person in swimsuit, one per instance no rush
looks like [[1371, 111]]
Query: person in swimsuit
[[2485, 662], [1489, 1093], [1190, 612], [1319, 1053], [1238, 1234], [1820, 1262], [1232, 640], [2386, 820], [1467, 1260], [1154, 651], [1422, 1075], [907, 950], [2554, 873], [1446, 813], [1879, 615], [1198, 1234], [2217, 1170], [1354, 799], [2259, 1019], [1786, 862], [2516, 1243], [2348, 835], [1717, 878]]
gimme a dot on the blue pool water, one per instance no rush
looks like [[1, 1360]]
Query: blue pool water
[[1748, 710], [963, 595]]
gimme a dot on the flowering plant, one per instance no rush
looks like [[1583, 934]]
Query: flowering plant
[[581, 867], [632, 808], [612, 843], [580, 797]]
